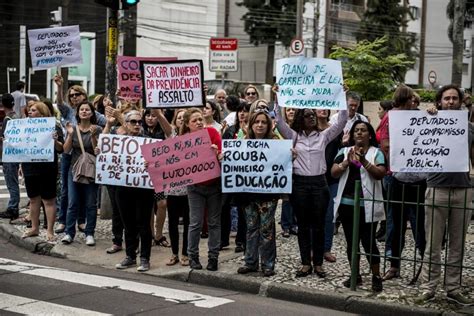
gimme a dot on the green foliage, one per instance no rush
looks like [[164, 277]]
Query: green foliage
[[468, 16], [388, 18], [426, 95], [367, 68]]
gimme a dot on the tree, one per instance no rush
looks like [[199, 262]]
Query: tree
[[269, 21], [389, 18], [459, 13], [367, 67]]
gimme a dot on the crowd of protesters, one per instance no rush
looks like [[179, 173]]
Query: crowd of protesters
[[330, 154]]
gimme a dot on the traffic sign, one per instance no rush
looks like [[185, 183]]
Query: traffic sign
[[296, 47], [223, 54]]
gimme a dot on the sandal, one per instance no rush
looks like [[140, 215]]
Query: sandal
[[184, 261], [162, 242], [329, 257], [29, 233], [173, 260], [391, 273]]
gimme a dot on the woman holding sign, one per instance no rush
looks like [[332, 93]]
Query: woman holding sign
[[310, 197], [40, 179], [365, 162], [260, 212]]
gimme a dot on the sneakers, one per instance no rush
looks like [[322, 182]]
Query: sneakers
[[126, 263], [60, 229], [9, 214], [212, 264], [195, 264], [377, 283], [115, 248], [459, 298], [67, 239], [144, 265], [90, 241], [347, 283], [425, 297]]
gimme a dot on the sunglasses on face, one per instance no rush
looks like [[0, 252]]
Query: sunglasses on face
[[251, 93], [135, 122], [77, 94], [261, 110]]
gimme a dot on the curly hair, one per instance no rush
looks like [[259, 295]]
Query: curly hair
[[298, 122], [372, 139]]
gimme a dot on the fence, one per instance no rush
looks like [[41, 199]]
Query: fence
[[440, 218]]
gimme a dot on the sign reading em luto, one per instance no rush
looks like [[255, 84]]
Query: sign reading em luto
[[173, 83], [310, 83], [29, 140], [56, 46], [420, 142]]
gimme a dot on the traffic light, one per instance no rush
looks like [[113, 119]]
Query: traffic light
[[127, 4]]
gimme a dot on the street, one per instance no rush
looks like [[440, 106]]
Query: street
[[37, 285]]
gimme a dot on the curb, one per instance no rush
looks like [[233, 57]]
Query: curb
[[337, 301], [33, 244]]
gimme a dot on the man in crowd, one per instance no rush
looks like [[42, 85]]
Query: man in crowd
[[447, 200], [20, 99]]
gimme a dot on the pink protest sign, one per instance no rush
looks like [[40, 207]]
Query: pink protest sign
[[130, 80], [181, 161]]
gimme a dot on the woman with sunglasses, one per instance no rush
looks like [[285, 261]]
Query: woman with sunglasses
[[310, 192], [81, 195], [251, 93], [365, 162], [135, 206]]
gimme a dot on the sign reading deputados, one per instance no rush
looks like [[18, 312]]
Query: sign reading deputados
[[120, 161], [172, 83], [29, 140], [257, 165], [420, 142], [178, 162], [310, 83], [56, 46]]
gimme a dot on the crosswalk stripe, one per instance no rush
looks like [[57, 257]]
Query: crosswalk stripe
[[172, 295], [28, 306], [7, 196]]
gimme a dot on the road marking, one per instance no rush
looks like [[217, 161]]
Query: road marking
[[28, 306], [169, 294], [7, 196]]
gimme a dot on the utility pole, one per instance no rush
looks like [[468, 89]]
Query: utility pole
[[111, 54], [299, 18], [317, 7], [458, 41]]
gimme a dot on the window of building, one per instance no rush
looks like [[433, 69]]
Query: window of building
[[465, 69], [415, 12]]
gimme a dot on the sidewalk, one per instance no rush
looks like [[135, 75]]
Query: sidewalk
[[397, 296]]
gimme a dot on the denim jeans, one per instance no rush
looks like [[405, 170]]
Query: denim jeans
[[329, 226], [388, 187], [288, 220], [178, 206], [260, 217], [10, 172], [199, 197], [310, 200], [117, 224], [81, 194], [65, 166]]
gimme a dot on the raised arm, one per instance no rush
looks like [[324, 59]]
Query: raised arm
[[165, 125], [282, 126], [334, 130]]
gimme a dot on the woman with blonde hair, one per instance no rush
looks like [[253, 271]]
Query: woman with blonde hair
[[40, 179]]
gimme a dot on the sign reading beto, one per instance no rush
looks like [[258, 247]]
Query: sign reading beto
[[260, 166], [310, 83], [170, 84], [57, 46], [29, 140], [130, 79], [420, 142], [178, 162], [120, 161]]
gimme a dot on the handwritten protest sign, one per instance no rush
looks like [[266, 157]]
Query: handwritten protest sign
[[178, 162], [173, 83], [310, 83], [55, 46], [420, 142], [130, 79], [120, 161], [261, 166], [29, 140]]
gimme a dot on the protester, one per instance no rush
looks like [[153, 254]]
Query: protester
[[232, 103], [310, 192], [353, 103], [220, 99], [382, 112], [260, 211], [448, 199], [10, 169], [81, 195], [20, 99], [251, 94], [40, 179], [211, 114], [364, 162], [206, 194]]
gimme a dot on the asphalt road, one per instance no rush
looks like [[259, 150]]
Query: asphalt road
[[34, 284]]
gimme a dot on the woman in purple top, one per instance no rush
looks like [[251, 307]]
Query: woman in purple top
[[310, 195]]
